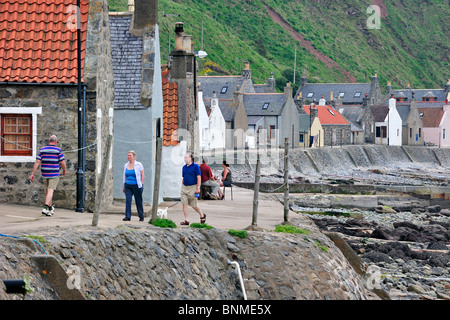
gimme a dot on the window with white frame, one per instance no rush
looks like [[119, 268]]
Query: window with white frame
[[18, 129]]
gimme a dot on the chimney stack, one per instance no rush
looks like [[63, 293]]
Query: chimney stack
[[187, 43], [179, 33], [288, 91], [247, 72]]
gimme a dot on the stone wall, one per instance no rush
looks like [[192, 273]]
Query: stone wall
[[99, 76], [342, 135], [59, 117], [146, 262]]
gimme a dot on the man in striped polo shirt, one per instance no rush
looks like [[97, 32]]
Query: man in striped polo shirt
[[50, 158]]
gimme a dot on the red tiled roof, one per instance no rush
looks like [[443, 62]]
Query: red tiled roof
[[170, 109], [36, 43], [431, 116], [327, 117]]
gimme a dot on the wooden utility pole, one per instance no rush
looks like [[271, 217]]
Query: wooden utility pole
[[256, 191], [256, 186], [157, 179], [286, 180]]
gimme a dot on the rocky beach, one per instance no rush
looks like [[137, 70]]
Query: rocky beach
[[408, 253], [388, 215]]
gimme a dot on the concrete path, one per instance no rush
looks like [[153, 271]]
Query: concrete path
[[221, 214]]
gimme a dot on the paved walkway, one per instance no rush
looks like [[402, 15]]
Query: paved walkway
[[222, 214]]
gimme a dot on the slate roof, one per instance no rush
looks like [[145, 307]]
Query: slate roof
[[209, 84], [36, 43], [254, 104], [431, 116], [170, 109], [126, 52], [328, 115], [403, 111], [379, 112], [352, 112], [350, 90], [420, 93]]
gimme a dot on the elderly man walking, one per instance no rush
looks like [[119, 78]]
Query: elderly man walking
[[51, 159], [190, 186]]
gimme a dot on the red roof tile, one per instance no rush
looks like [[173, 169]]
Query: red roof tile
[[327, 117], [37, 43], [431, 116], [170, 109]]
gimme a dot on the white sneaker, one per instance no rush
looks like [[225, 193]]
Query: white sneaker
[[51, 210], [47, 212]]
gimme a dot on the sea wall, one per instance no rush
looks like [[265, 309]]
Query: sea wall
[[147, 262], [342, 160]]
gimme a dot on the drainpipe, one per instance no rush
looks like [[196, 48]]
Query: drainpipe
[[15, 286], [80, 170], [234, 263]]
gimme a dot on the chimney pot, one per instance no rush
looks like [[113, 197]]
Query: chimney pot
[[179, 27], [179, 31]]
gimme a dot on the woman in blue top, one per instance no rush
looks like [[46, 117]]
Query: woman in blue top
[[133, 184]]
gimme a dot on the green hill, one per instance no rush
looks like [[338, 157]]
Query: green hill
[[334, 43]]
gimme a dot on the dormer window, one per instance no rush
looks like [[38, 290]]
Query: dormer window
[[341, 95]]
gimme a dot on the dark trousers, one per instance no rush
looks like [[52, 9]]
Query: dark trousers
[[130, 191]]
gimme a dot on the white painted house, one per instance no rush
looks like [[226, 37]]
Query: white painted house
[[217, 125], [203, 123], [388, 124], [394, 123]]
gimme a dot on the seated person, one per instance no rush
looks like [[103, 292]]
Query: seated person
[[209, 181], [226, 175]]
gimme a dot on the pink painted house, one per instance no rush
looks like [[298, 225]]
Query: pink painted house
[[436, 123]]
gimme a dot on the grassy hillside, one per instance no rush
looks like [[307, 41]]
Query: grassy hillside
[[332, 38]]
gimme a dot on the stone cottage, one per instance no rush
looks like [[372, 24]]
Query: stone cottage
[[361, 116], [228, 91], [412, 126], [138, 101], [276, 113], [39, 97]]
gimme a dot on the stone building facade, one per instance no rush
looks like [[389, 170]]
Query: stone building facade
[[50, 101]]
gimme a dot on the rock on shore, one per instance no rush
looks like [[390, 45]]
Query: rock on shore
[[410, 250]]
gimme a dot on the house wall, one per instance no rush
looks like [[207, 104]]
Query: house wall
[[289, 127], [336, 134], [217, 126], [317, 129], [395, 128], [59, 116], [172, 171], [135, 129], [368, 124], [432, 135], [445, 125]]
